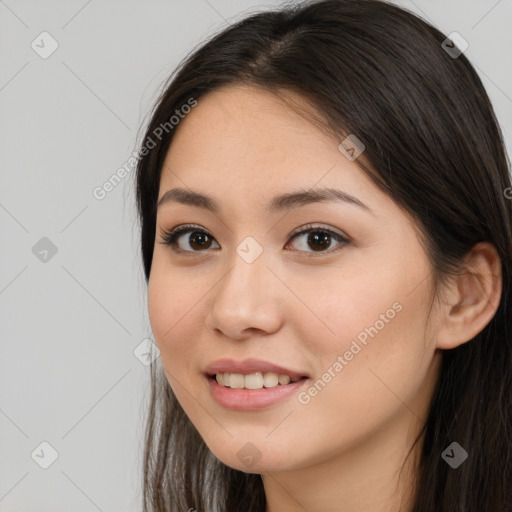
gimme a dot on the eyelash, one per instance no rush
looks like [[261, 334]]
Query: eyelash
[[170, 237]]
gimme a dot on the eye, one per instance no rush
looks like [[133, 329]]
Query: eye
[[319, 238], [200, 239]]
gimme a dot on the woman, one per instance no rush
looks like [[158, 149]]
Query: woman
[[326, 237]]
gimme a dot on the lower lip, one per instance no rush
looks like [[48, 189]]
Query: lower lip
[[251, 399]]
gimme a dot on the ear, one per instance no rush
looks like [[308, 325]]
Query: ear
[[472, 298]]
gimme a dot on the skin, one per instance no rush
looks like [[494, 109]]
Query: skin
[[302, 308]]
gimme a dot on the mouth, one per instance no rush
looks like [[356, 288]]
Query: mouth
[[257, 370], [254, 381], [256, 391]]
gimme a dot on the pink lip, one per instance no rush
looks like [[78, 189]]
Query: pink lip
[[248, 366], [251, 399]]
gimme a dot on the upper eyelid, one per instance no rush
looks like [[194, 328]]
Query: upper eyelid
[[185, 228]]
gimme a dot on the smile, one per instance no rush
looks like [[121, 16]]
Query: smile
[[246, 399], [256, 380]]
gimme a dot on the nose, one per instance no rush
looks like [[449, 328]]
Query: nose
[[247, 300]]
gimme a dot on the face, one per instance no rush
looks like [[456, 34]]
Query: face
[[344, 304]]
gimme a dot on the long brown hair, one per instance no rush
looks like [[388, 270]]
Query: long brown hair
[[434, 145]]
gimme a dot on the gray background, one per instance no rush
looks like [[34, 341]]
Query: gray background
[[70, 321]]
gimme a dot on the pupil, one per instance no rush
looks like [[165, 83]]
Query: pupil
[[194, 238], [322, 239]]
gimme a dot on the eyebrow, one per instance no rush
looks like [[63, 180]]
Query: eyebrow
[[277, 204]]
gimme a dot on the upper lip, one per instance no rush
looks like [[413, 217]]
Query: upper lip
[[247, 366]]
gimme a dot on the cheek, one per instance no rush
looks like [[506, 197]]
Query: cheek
[[171, 307], [160, 306], [341, 308], [375, 320], [376, 361]]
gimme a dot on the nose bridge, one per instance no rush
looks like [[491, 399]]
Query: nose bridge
[[243, 297], [248, 271]]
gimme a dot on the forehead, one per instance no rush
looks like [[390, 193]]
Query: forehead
[[239, 134]]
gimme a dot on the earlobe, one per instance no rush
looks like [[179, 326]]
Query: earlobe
[[473, 297]]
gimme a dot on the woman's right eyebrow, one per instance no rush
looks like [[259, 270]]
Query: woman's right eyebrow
[[278, 204]]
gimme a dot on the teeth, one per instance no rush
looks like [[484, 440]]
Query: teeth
[[270, 380], [256, 380], [236, 381], [284, 379]]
